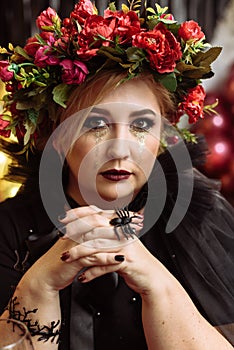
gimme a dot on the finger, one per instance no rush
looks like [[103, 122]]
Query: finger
[[101, 259], [75, 229], [104, 237], [81, 212], [97, 271], [77, 252], [116, 235]]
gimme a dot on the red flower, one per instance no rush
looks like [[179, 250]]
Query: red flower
[[193, 104], [126, 24], [163, 50], [33, 44], [73, 72], [45, 19], [62, 44], [167, 16], [44, 57], [93, 35], [3, 125], [190, 30], [5, 74], [82, 10]]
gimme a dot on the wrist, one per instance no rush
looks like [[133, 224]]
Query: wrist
[[162, 287], [36, 289]]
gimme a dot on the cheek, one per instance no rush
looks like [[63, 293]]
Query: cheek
[[80, 150], [147, 155], [152, 144]]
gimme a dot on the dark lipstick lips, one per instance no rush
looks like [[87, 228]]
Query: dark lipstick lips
[[116, 175]]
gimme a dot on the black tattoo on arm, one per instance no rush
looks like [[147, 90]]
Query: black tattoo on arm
[[44, 332]]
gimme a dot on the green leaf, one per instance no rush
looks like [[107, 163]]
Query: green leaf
[[61, 93], [32, 115], [48, 28], [109, 52], [125, 65], [30, 129], [152, 22], [161, 10], [40, 83], [207, 57], [134, 67], [112, 6], [19, 50], [168, 81], [135, 54], [191, 71], [167, 21], [151, 10]]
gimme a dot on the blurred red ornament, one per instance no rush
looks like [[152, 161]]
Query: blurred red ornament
[[220, 156], [218, 130], [228, 91]]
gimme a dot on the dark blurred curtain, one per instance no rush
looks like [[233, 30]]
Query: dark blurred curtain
[[17, 17]]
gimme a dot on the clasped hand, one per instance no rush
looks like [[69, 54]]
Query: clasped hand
[[91, 248]]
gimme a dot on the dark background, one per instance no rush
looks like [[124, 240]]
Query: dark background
[[17, 17]]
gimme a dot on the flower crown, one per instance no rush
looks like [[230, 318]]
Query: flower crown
[[41, 75]]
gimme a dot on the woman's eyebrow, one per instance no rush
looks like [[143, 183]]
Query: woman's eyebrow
[[100, 111], [143, 112]]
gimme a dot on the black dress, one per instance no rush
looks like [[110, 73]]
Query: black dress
[[105, 313]]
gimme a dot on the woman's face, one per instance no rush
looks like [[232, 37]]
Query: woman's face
[[116, 149]]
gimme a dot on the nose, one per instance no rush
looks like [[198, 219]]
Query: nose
[[119, 146]]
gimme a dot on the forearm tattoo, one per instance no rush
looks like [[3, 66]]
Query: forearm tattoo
[[44, 332]]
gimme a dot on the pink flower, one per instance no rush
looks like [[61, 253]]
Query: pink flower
[[161, 46], [82, 10], [44, 57], [193, 104], [190, 30], [5, 74], [3, 125], [46, 18], [73, 72]]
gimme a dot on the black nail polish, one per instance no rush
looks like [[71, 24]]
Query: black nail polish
[[119, 258], [65, 256], [62, 216]]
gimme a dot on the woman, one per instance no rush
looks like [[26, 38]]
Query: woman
[[110, 275]]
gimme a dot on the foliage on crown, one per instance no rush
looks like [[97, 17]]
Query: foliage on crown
[[65, 53]]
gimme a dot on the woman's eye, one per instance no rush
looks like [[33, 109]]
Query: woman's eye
[[142, 125], [95, 123]]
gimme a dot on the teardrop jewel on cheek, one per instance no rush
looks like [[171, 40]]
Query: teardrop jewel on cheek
[[98, 136], [141, 140], [140, 136]]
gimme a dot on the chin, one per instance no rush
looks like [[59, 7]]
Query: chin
[[115, 200]]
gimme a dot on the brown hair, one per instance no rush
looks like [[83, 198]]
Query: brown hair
[[94, 90]]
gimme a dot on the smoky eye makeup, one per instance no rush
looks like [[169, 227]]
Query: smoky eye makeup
[[97, 119], [94, 122], [143, 124]]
